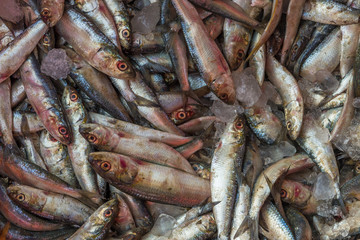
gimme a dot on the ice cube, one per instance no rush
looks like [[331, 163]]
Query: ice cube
[[326, 81], [56, 64], [224, 111], [163, 225], [145, 20], [10, 10], [324, 188], [248, 90], [356, 102], [273, 153]]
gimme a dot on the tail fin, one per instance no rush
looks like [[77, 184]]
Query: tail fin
[[249, 223]]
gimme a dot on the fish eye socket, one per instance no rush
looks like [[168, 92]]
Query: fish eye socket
[[73, 97], [181, 115], [20, 197], [239, 125], [288, 126], [45, 12], [91, 138], [357, 168], [223, 96], [296, 47], [63, 130], [125, 33], [240, 54], [46, 40], [122, 66], [283, 193], [108, 213], [105, 166]]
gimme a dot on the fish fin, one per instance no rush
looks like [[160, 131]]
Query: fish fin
[[192, 95], [86, 198], [5, 231], [141, 101], [251, 224]]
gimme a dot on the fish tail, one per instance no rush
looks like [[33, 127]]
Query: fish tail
[[249, 223]]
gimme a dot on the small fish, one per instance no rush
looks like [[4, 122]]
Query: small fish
[[150, 181]]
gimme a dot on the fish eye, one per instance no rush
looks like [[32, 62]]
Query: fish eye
[[122, 66], [108, 212], [46, 40], [91, 138], [125, 33], [105, 166], [296, 47], [288, 125], [45, 12], [283, 193], [241, 54], [63, 130], [239, 125], [20, 197], [357, 168], [73, 97], [181, 115], [223, 96]]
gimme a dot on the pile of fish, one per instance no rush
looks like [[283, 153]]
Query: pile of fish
[[179, 119]]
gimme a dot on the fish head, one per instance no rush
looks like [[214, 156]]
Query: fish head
[[58, 127], [115, 64], [238, 129], [294, 118], [51, 11], [24, 196], [47, 42], [115, 167], [295, 193], [94, 133], [103, 218], [223, 87]]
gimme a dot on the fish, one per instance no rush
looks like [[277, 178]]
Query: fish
[[15, 53], [21, 218], [150, 181], [49, 205], [299, 224], [114, 140], [225, 165], [79, 149], [290, 94], [206, 54], [42, 95], [102, 54]]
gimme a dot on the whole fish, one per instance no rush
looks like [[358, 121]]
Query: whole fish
[[97, 225], [114, 140], [206, 54], [290, 93], [150, 181], [79, 149], [43, 97], [49, 205], [225, 165], [152, 134], [93, 45]]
